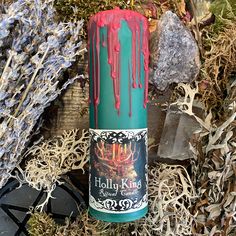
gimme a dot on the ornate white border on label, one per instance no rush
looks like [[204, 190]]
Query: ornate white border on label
[[125, 205]]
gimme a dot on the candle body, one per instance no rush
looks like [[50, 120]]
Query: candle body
[[118, 69]]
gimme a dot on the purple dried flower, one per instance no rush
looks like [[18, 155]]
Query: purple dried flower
[[35, 50]]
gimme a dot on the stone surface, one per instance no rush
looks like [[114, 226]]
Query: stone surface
[[177, 55], [177, 132]]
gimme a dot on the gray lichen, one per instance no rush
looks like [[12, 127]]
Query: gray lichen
[[177, 58], [34, 51]]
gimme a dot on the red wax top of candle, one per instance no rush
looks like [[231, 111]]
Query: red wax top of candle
[[104, 17], [138, 25]]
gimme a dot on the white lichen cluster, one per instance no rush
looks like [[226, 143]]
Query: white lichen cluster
[[51, 159], [34, 51], [171, 196]]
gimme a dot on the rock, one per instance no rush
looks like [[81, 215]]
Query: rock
[[177, 58], [177, 132]]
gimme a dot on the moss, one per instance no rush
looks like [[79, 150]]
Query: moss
[[84, 9], [41, 224], [224, 11], [224, 8]]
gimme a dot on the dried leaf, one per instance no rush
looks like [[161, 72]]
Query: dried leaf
[[181, 7], [214, 210], [208, 120], [229, 200], [216, 134]]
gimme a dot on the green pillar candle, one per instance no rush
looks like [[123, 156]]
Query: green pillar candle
[[118, 69]]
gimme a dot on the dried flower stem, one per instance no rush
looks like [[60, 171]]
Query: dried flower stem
[[39, 66], [7, 65]]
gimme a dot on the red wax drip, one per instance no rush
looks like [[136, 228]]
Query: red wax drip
[[132, 27], [145, 52], [114, 58], [138, 61], [112, 20], [130, 96], [103, 41]]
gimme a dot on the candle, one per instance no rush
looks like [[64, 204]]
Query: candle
[[118, 70]]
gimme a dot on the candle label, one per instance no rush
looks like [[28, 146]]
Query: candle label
[[118, 170]]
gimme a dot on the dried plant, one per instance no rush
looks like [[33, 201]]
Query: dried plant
[[214, 167], [51, 159], [171, 195], [84, 225], [215, 34], [152, 9], [219, 66], [34, 51], [214, 149]]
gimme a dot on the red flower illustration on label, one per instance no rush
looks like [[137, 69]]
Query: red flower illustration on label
[[116, 159]]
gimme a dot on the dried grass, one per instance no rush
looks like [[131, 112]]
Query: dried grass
[[219, 66]]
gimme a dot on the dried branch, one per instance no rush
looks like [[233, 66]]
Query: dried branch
[[199, 39]]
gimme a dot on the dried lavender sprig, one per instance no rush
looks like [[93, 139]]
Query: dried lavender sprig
[[34, 51]]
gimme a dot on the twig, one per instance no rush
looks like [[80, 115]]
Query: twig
[[29, 86], [7, 65], [197, 27]]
